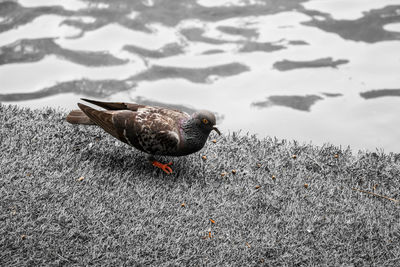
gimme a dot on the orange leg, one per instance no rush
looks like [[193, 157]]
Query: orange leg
[[164, 167]]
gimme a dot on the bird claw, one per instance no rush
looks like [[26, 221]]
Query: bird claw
[[164, 167]]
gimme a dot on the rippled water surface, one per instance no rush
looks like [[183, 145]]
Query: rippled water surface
[[316, 71]]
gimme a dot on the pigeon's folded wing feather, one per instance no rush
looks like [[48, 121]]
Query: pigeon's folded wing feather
[[115, 105], [106, 120]]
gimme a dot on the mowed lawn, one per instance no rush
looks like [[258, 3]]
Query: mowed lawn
[[73, 195]]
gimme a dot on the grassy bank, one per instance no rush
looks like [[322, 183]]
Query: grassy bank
[[73, 195]]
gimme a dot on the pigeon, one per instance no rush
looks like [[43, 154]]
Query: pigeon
[[157, 131]]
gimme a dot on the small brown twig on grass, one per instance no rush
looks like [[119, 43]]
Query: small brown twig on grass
[[375, 195]]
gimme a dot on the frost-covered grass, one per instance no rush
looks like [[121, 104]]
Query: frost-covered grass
[[72, 195]]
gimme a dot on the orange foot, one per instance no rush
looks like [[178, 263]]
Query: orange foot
[[164, 167]]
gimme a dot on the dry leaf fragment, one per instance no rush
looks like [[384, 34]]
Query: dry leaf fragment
[[234, 171], [375, 186], [273, 177], [294, 156], [204, 157], [248, 245], [258, 165], [257, 186], [214, 141], [183, 204], [336, 156], [23, 237], [223, 174], [212, 221], [81, 178], [306, 185]]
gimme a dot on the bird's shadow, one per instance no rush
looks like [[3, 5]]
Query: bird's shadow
[[137, 163]]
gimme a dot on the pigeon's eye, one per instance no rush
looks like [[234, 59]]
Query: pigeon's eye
[[205, 121]]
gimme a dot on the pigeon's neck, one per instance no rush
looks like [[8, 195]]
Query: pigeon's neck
[[194, 138]]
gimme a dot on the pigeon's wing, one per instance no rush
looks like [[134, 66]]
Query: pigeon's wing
[[115, 105], [164, 111], [113, 122], [81, 117]]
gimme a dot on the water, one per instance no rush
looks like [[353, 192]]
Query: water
[[315, 71]]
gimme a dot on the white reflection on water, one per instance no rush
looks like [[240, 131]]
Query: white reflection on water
[[215, 3], [347, 9], [52, 70], [394, 27], [46, 26], [67, 4], [113, 37]]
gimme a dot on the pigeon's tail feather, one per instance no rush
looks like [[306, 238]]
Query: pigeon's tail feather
[[79, 117]]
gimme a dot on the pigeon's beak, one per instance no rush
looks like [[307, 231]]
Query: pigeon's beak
[[216, 129]]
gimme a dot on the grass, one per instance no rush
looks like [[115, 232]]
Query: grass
[[72, 195]]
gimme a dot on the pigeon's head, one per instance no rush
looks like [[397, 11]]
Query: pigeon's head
[[205, 121]]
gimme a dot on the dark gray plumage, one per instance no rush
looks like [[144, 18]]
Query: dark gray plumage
[[153, 130]]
